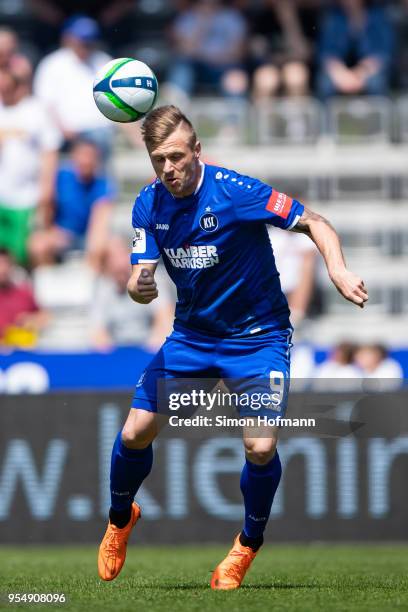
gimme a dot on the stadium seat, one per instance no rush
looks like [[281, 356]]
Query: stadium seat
[[220, 122], [288, 121], [65, 291], [364, 120]]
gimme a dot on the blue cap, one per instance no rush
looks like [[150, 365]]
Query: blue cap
[[82, 27]]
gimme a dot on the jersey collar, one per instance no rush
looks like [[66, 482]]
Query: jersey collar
[[200, 182]]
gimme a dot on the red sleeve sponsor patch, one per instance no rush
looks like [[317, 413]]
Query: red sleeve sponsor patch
[[280, 204]]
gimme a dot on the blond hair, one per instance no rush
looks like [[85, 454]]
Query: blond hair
[[163, 121]]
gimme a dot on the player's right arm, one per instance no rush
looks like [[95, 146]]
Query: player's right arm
[[141, 286], [145, 255]]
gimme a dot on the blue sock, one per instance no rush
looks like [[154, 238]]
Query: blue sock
[[129, 468], [258, 485]]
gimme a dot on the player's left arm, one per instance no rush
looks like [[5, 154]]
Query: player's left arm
[[319, 229]]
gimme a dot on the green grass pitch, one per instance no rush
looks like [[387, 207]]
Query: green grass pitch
[[282, 578]]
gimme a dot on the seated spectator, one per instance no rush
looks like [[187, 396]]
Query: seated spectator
[[338, 372], [64, 79], [20, 317], [209, 45], [29, 144], [116, 320], [79, 219], [355, 50], [113, 16], [375, 363], [282, 50]]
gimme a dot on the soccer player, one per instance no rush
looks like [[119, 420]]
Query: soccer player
[[208, 224]]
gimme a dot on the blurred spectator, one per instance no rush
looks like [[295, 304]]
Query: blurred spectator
[[10, 56], [112, 16], [283, 49], [209, 43], [20, 317], [115, 319], [295, 256], [64, 82], [400, 22], [356, 49], [374, 362], [28, 146], [339, 367], [84, 196]]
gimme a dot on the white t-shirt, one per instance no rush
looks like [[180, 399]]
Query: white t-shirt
[[387, 376], [26, 132], [64, 82], [289, 249]]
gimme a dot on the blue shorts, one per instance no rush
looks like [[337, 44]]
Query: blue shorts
[[250, 366]]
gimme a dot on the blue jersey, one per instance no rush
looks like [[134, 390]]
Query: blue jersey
[[216, 249], [76, 198]]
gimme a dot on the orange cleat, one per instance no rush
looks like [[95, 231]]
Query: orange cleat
[[230, 573], [112, 551]]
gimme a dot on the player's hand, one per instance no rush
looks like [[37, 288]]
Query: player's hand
[[146, 286], [351, 287]]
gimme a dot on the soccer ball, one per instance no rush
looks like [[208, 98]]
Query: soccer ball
[[125, 90]]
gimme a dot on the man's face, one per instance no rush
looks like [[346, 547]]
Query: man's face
[[81, 48], [177, 164], [86, 160]]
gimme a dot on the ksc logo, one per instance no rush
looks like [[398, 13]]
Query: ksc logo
[[208, 222]]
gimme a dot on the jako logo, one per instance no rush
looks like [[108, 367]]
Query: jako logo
[[162, 226]]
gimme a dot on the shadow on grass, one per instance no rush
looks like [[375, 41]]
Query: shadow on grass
[[199, 586], [260, 587]]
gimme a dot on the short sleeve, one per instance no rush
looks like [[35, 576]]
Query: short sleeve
[[144, 248], [106, 189], [254, 200]]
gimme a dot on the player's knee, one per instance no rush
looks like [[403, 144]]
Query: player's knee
[[138, 439], [260, 451], [140, 429]]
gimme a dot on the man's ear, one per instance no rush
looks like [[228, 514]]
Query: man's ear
[[197, 149]]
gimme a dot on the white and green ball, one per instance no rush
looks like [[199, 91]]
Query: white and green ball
[[125, 90]]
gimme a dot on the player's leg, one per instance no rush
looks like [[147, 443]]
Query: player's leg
[[132, 455], [131, 462], [260, 479], [265, 361]]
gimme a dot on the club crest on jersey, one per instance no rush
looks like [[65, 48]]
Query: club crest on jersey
[[208, 221]]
